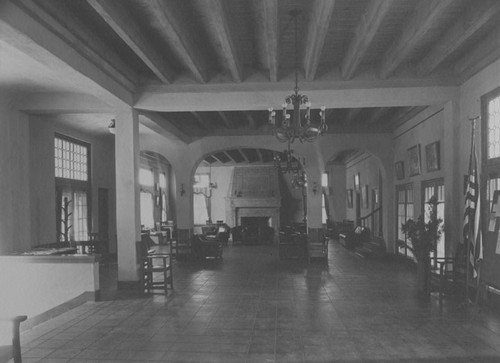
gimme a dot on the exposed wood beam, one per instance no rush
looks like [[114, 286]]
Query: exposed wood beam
[[123, 23], [377, 114], [225, 119], [219, 32], [422, 20], [483, 54], [267, 34], [319, 22], [216, 158], [406, 115], [352, 115], [162, 126], [259, 155], [230, 157], [33, 31], [203, 122], [180, 37], [244, 155], [250, 119], [363, 36], [473, 19]]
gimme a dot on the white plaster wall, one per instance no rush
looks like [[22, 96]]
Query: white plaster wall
[[33, 288]]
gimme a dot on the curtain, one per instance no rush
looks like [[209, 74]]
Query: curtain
[[200, 209], [147, 207], [77, 213]]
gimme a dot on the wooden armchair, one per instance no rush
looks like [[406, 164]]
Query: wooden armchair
[[9, 351], [449, 274]]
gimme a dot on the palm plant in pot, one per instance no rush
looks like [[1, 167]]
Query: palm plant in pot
[[423, 235]]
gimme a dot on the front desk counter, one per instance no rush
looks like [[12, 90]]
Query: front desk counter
[[37, 285]]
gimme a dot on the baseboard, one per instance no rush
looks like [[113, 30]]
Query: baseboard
[[60, 309]]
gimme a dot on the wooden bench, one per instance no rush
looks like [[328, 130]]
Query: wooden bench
[[13, 350]]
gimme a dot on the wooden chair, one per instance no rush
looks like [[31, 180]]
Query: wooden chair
[[449, 275], [13, 350], [156, 269]]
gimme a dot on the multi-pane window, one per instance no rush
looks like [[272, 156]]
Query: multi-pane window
[[491, 123], [435, 188], [163, 196], [404, 194], [72, 172], [71, 159]]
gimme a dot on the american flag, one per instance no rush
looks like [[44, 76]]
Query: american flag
[[472, 224]]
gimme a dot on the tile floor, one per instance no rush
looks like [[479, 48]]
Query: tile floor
[[252, 307]]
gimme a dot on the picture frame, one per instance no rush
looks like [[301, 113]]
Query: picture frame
[[357, 178], [400, 169], [414, 164], [349, 196], [432, 156]]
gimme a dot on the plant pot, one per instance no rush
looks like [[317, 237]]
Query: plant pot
[[424, 276]]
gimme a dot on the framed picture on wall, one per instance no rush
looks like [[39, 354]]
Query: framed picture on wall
[[357, 185], [432, 156], [400, 169], [414, 165], [349, 196]]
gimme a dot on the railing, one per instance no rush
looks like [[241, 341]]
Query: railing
[[373, 221]]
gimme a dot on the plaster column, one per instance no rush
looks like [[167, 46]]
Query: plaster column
[[15, 218], [453, 180], [128, 220]]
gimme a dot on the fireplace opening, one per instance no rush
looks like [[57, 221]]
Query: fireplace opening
[[254, 230]]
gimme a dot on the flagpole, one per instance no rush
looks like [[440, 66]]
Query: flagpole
[[467, 242]]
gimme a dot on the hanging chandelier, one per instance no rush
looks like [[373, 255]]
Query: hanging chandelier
[[291, 126], [286, 162]]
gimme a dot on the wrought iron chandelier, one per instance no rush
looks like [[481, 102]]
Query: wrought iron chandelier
[[290, 128], [289, 164]]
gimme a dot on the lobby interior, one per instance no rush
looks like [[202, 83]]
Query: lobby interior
[[163, 107]]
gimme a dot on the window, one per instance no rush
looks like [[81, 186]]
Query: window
[[72, 172], [163, 197], [146, 177], [147, 182], [493, 125], [435, 188], [404, 201], [324, 213]]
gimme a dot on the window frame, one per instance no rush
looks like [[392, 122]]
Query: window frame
[[403, 187]]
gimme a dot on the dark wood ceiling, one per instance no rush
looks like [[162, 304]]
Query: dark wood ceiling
[[199, 42]]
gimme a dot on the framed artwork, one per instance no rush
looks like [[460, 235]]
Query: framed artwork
[[432, 156], [400, 169], [349, 196], [414, 165], [357, 184]]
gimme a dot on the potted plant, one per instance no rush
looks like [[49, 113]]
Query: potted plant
[[423, 237]]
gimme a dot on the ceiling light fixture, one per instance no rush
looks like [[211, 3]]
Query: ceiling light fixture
[[291, 126]]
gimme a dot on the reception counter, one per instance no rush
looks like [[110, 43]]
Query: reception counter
[[40, 286]]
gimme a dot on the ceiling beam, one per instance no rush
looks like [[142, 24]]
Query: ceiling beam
[[250, 119], [244, 155], [473, 19], [267, 34], [377, 114], [32, 30], [406, 115], [365, 32], [482, 55], [162, 126], [203, 122], [123, 23], [225, 119], [219, 31], [423, 18], [180, 37], [319, 22]]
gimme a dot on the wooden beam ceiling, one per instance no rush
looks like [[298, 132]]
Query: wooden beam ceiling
[[181, 37], [425, 16], [319, 23], [219, 32], [202, 121], [224, 119], [463, 29], [162, 126], [266, 15], [123, 23], [365, 32]]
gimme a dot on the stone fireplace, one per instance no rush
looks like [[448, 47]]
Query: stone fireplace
[[254, 192]]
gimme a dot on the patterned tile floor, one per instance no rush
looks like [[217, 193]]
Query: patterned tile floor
[[252, 307]]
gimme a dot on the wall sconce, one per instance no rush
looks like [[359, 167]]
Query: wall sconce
[[111, 126], [182, 191]]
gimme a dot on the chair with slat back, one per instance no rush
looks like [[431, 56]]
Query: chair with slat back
[[156, 269], [12, 350]]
